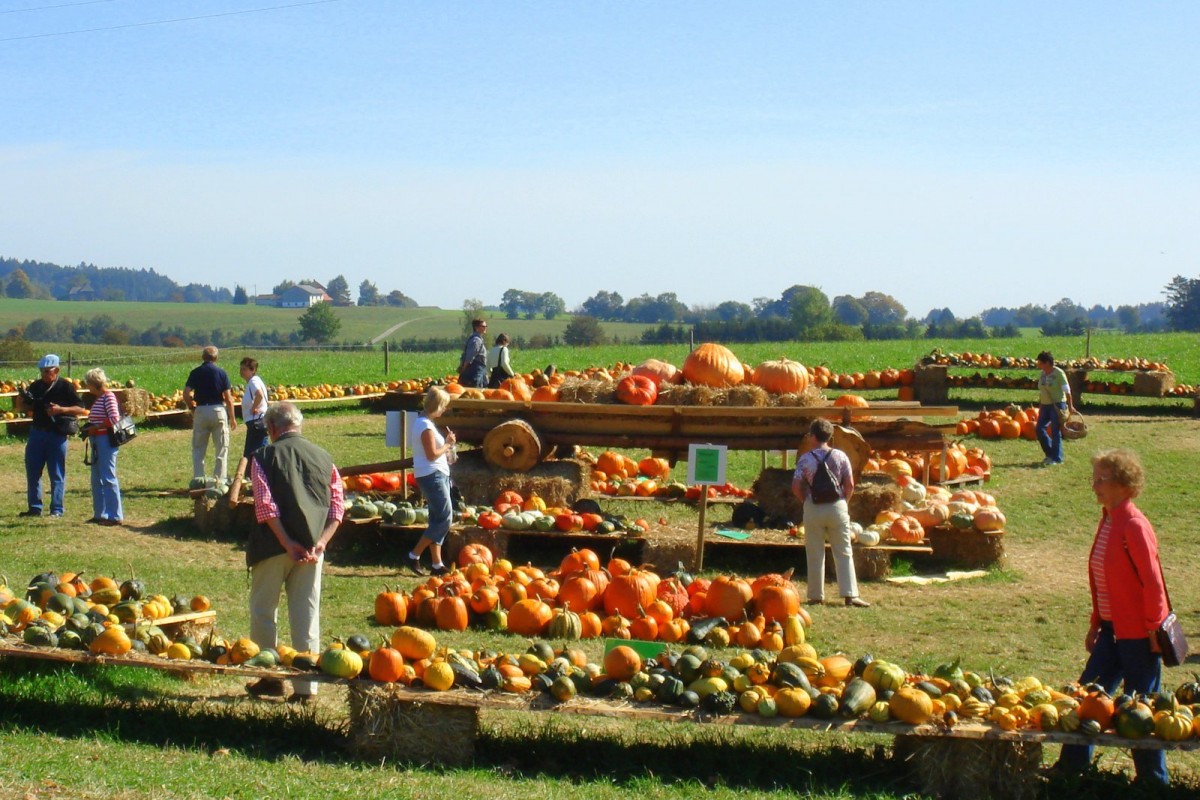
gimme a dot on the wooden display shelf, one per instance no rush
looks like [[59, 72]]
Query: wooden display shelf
[[500, 701]]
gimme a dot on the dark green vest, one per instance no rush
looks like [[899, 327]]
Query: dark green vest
[[298, 473]]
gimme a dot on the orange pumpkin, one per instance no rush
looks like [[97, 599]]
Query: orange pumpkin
[[386, 664], [474, 553], [727, 597], [529, 617], [658, 468], [391, 608], [637, 390], [630, 592], [782, 376], [906, 530], [851, 401], [578, 560], [658, 371], [622, 663], [713, 365]]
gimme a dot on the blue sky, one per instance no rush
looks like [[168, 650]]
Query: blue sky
[[948, 153]]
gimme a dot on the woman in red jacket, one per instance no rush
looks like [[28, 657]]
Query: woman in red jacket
[[1128, 601]]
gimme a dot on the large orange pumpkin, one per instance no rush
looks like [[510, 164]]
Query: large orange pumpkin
[[529, 617], [713, 365], [629, 593], [581, 593], [611, 463], [727, 597], [782, 376], [655, 467], [906, 530], [475, 553], [851, 401], [391, 608], [637, 390], [578, 561]]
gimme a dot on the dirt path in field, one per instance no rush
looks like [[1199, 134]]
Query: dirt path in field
[[395, 328]]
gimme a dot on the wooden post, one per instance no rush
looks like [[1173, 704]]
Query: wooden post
[[69, 358], [700, 532], [385, 357], [403, 454]]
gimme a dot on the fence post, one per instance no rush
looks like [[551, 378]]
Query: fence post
[[385, 357], [69, 358]]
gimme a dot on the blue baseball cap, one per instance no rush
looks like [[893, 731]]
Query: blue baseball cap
[[48, 362]]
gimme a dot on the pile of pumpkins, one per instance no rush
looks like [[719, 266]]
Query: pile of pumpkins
[[795, 681], [583, 600], [1011, 422], [102, 616], [925, 508]]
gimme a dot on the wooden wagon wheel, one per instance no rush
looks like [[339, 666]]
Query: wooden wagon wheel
[[853, 445], [513, 445]]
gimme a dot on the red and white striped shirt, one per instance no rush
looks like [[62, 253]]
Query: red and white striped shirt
[[105, 410], [264, 501], [1099, 578]]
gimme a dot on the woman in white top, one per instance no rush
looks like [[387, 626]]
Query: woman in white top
[[498, 364], [431, 467]]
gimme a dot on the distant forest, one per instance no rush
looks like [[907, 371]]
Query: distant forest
[[89, 282]]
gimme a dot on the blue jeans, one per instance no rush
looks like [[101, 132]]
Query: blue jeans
[[46, 450], [1049, 431], [1113, 659], [435, 488], [106, 491]]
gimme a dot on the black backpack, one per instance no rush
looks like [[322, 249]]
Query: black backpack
[[825, 487]]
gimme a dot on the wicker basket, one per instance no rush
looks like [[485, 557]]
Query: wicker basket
[[1075, 427]]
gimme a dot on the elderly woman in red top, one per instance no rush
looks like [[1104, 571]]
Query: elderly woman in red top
[[1129, 601]]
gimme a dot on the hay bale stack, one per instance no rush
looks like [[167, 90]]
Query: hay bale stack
[[967, 549], [587, 390], [871, 564], [773, 493], [745, 395], [688, 395], [874, 493], [384, 727], [948, 767], [1153, 384], [559, 483], [811, 396], [665, 554]]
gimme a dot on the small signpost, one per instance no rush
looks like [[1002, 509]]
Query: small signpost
[[706, 467]]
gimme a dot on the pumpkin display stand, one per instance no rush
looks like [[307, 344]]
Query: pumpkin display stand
[[967, 549], [559, 483], [947, 767], [387, 724]]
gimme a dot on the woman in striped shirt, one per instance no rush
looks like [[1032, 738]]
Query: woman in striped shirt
[[1129, 601], [105, 413]]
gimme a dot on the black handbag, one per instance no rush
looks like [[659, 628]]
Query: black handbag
[[66, 424], [123, 432]]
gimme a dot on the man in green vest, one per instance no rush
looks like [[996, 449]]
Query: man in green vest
[[298, 503]]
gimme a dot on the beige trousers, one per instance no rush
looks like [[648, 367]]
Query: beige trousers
[[828, 522], [303, 584], [210, 421]]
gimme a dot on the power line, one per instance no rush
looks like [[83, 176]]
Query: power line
[[60, 5], [167, 21]]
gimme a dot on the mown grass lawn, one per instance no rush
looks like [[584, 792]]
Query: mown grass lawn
[[128, 734]]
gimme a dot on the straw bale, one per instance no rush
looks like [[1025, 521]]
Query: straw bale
[[811, 396], [871, 564], [385, 727], [746, 394], [873, 494], [559, 483], [948, 767], [689, 395], [666, 553], [773, 493], [967, 549]]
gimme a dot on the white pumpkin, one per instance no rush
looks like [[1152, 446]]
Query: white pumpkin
[[868, 537], [913, 493]]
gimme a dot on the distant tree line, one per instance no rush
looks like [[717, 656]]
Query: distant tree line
[[40, 280]]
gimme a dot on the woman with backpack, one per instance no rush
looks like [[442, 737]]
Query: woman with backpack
[[824, 481]]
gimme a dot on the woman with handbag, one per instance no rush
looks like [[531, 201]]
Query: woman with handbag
[[104, 416], [1129, 602], [56, 410]]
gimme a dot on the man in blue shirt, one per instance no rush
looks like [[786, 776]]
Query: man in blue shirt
[[472, 367], [210, 397]]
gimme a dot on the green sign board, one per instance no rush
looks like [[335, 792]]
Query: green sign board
[[706, 464]]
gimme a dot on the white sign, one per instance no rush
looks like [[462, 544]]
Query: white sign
[[396, 422], [706, 464]]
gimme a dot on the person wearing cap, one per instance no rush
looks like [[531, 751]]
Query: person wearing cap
[[209, 395], [55, 405]]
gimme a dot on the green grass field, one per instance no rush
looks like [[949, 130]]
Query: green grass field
[[117, 733], [162, 370], [358, 324]]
